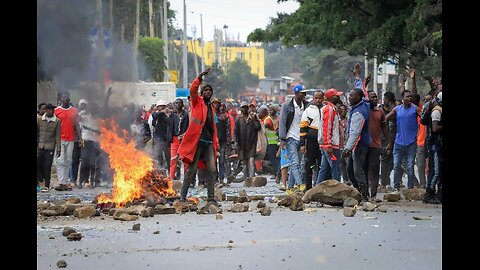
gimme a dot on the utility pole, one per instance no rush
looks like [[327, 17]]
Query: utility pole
[[202, 45], [225, 47], [165, 40], [185, 68], [101, 47], [135, 42], [150, 18], [194, 47], [201, 40]]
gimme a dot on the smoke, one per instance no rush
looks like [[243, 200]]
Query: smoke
[[63, 48], [67, 54]]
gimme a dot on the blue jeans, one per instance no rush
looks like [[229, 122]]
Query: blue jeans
[[399, 152], [328, 163], [434, 165], [295, 169]]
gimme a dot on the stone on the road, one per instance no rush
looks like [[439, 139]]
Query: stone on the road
[[392, 197], [136, 227], [213, 209], [181, 207], [70, 208], [368, 207], [422, 217], [161, 209], [136, 209], [350, 202], [73, 200], [349, 211], [265, 211], [297, 203], [239, 207], [219, 216], [257, 181], [382, 208], [331, 192], [67, 231], [49, 213], [240, 199], [147, 212], [415, 194], [84, 211], [61, 264], [243, 193], [261, 204], [74, 237], [126, 217], [118, 212]]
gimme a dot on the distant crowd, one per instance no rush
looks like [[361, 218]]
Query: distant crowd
[[300, 144]]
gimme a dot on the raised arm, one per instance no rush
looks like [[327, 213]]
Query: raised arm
[[401, 82], [411, 72], [195, 84], [358, 83]]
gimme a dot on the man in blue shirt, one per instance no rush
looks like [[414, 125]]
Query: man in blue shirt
[[405, 139]]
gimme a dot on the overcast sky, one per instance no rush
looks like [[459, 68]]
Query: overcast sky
[[241, 16]]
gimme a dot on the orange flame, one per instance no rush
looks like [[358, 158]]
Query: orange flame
[[193, 199], [131, 167]]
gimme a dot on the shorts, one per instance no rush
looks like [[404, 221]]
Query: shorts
[[284, 161]]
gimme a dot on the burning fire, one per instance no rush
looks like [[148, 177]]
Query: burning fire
[[135, 175]]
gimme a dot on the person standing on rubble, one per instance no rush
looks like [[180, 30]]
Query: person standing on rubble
[[200, 149], [69, 128]]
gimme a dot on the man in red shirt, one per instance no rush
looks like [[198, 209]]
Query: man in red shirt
[[68, 128], [377, 126]]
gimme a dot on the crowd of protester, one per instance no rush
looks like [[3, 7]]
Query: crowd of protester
[[300, 144]]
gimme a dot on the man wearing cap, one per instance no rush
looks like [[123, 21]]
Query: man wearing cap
[[199, 148], [162, 135], [90, 152], [69, 127], [271, 131], [289, 133], [48, 126], [358, 140], [247, 126], [179, 123], [329, 137]]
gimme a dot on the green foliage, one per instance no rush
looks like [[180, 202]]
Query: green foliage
[[151, 50], [238, 76], [218, 80], [403, 30]]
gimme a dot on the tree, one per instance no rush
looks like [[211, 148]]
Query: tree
[[151, 50], [218, 80], [406, 31], [239, 76]]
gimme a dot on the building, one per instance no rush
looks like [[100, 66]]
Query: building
[[276, 86], [253, 55]]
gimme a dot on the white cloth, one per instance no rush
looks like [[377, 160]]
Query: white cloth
[[294, 131]]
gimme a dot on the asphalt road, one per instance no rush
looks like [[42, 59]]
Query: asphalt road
[[318, 238]]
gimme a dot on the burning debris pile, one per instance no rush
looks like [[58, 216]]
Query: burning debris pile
[[135, 177]]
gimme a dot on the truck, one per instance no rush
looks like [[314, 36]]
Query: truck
[[141, 93]]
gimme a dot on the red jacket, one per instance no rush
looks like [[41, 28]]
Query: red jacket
[[198, 116]]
